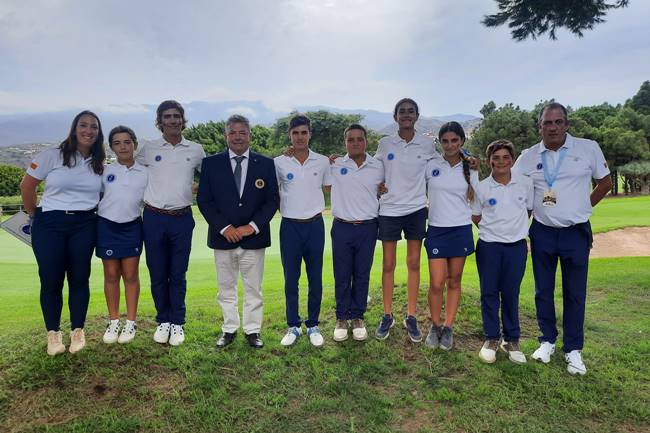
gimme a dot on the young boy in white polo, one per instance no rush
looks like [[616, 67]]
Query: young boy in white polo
[[301, 179], [501, 207]]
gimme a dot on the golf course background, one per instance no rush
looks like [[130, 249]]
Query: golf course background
[[349, 387]]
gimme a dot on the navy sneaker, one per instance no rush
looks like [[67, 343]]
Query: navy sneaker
[[383, 330], [411, 325]]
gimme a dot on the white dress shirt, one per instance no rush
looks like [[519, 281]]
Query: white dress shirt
[[66, 188], [583, 161], [171, 172]]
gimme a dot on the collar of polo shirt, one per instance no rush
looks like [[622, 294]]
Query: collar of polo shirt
[[513, 180], [416, 139], [568, 143], [183, 142]]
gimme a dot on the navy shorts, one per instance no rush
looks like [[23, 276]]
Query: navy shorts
[[118, 240], [414, 226], [444, 242]]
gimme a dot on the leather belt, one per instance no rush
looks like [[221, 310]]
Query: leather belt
[[307, 220], [172, 212], [356, 222]]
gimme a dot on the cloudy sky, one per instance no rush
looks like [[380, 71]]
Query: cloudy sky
[[58, 54]]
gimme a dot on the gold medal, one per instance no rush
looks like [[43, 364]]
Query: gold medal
[[550, 198]]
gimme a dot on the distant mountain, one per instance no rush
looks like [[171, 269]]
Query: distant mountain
[[53, 127]]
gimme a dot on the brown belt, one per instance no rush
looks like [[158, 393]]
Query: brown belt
[[307, 220], [355, 222], [173, 212]]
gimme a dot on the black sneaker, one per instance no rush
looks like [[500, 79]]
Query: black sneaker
[[446, 338], [383, 330], [411, 325]]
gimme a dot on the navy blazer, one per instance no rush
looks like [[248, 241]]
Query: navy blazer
[[220, 204]]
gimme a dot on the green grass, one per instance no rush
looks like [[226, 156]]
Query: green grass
[[350, 387]]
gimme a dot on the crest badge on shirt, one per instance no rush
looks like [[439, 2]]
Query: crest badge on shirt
[[540, 166], [391, 156], [290, 176], [158, 158], [110, 178], [435, 173], [492, 201], [259, 183], [344, 171]]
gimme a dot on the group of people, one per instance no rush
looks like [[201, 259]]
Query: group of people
[[407, 188]]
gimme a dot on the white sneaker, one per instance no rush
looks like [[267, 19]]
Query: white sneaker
[[315, 337], [341, 330], [112, 332], [291, 336], [488, 352], [128, 332], [514, 352], [55, 343], [574, 362], [176, 335], [162, 333], [77, 340], [544, 352], [359, 331]]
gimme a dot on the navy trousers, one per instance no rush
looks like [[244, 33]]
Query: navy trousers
[[569, 245], [501, 267], [302, 241], [353, 249], [168, 241], [63, 244]]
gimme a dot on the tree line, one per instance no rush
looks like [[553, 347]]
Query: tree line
[[623, 132]]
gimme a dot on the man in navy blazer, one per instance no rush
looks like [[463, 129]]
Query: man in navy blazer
[[238, 196]]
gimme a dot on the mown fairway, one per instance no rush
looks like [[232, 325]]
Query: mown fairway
[[350, 387]]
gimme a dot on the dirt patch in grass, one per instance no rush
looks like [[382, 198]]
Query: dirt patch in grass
[[627, 242], [417, 419]]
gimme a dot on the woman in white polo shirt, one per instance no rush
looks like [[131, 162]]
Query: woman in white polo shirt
[[64, 224], [450, 188], [502, 205], [119, 232]]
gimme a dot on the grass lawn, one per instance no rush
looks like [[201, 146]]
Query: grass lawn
[[349, 387]]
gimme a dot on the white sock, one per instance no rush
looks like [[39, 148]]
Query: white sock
[[115, 322], [130, 322]]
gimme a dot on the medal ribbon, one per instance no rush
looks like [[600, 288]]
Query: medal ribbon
[[548, 176]]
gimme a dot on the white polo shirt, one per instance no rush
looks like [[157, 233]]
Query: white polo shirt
[[171, 172], [123, 192], [66, 188], [354, 188], [583, 161], [503, 208], [301, 185], [447, 191], [404, 164]]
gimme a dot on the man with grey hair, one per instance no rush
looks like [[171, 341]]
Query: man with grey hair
[[238, 196], [562, 168]]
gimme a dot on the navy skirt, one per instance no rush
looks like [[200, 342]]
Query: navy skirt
[[444, 242], [118, 240]]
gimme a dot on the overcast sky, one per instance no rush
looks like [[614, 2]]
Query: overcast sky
[[57, 54]]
